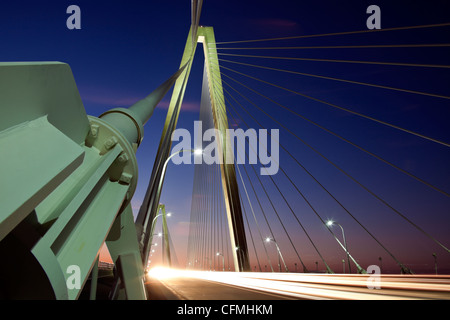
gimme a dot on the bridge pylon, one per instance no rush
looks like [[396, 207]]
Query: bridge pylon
[[229, 183]]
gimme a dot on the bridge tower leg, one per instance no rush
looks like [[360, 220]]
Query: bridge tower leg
[[149, 207], [150, 204], [229, 183]]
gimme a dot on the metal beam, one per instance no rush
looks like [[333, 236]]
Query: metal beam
[[149, 207], [228, 173], [70, 177]]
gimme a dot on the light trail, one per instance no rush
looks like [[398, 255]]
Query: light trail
[[322, 286]]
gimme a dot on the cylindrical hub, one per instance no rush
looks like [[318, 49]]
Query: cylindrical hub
[[126, 122]]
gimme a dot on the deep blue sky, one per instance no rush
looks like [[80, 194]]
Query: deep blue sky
[[125, 49]]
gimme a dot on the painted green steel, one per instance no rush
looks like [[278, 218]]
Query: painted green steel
[[144, 108], [149, 207], [124, 250], [68, 179], [24, 179], [39, 105], [228, 173], [30, 90]]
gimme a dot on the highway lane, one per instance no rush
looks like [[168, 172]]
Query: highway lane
[[199, 285], [180, 288]]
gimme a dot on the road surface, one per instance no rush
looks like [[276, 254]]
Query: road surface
[[196, 285]]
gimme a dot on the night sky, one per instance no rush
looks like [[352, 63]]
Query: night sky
[[126, 49]]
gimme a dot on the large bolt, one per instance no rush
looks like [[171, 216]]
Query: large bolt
[[110, 143], [123, 158], [94, 130], [126, 178]]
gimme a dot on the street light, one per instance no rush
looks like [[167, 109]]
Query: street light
[[381, 264], [152, 251], [154, 220], [435, 263], [330, 223], [223, 260], [268, 239], [194, 151]]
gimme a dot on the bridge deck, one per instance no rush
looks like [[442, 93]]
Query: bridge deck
[[196, 289], [285, 286]]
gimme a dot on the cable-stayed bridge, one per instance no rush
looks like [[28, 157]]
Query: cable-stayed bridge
[[306, 168]]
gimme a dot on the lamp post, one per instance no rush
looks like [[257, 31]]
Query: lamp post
[[435, 263], [159, 234], [169, 214], [381, 264], [153, 225], [223, 260], [330, 223], [194, 151], [152, 251], [279, 252], [144, 241]]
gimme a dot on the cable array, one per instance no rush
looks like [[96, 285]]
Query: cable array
[[277, 209]]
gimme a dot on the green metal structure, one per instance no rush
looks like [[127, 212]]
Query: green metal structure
[[148, 210], [165, 234], [67, 180], [228, 173]]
